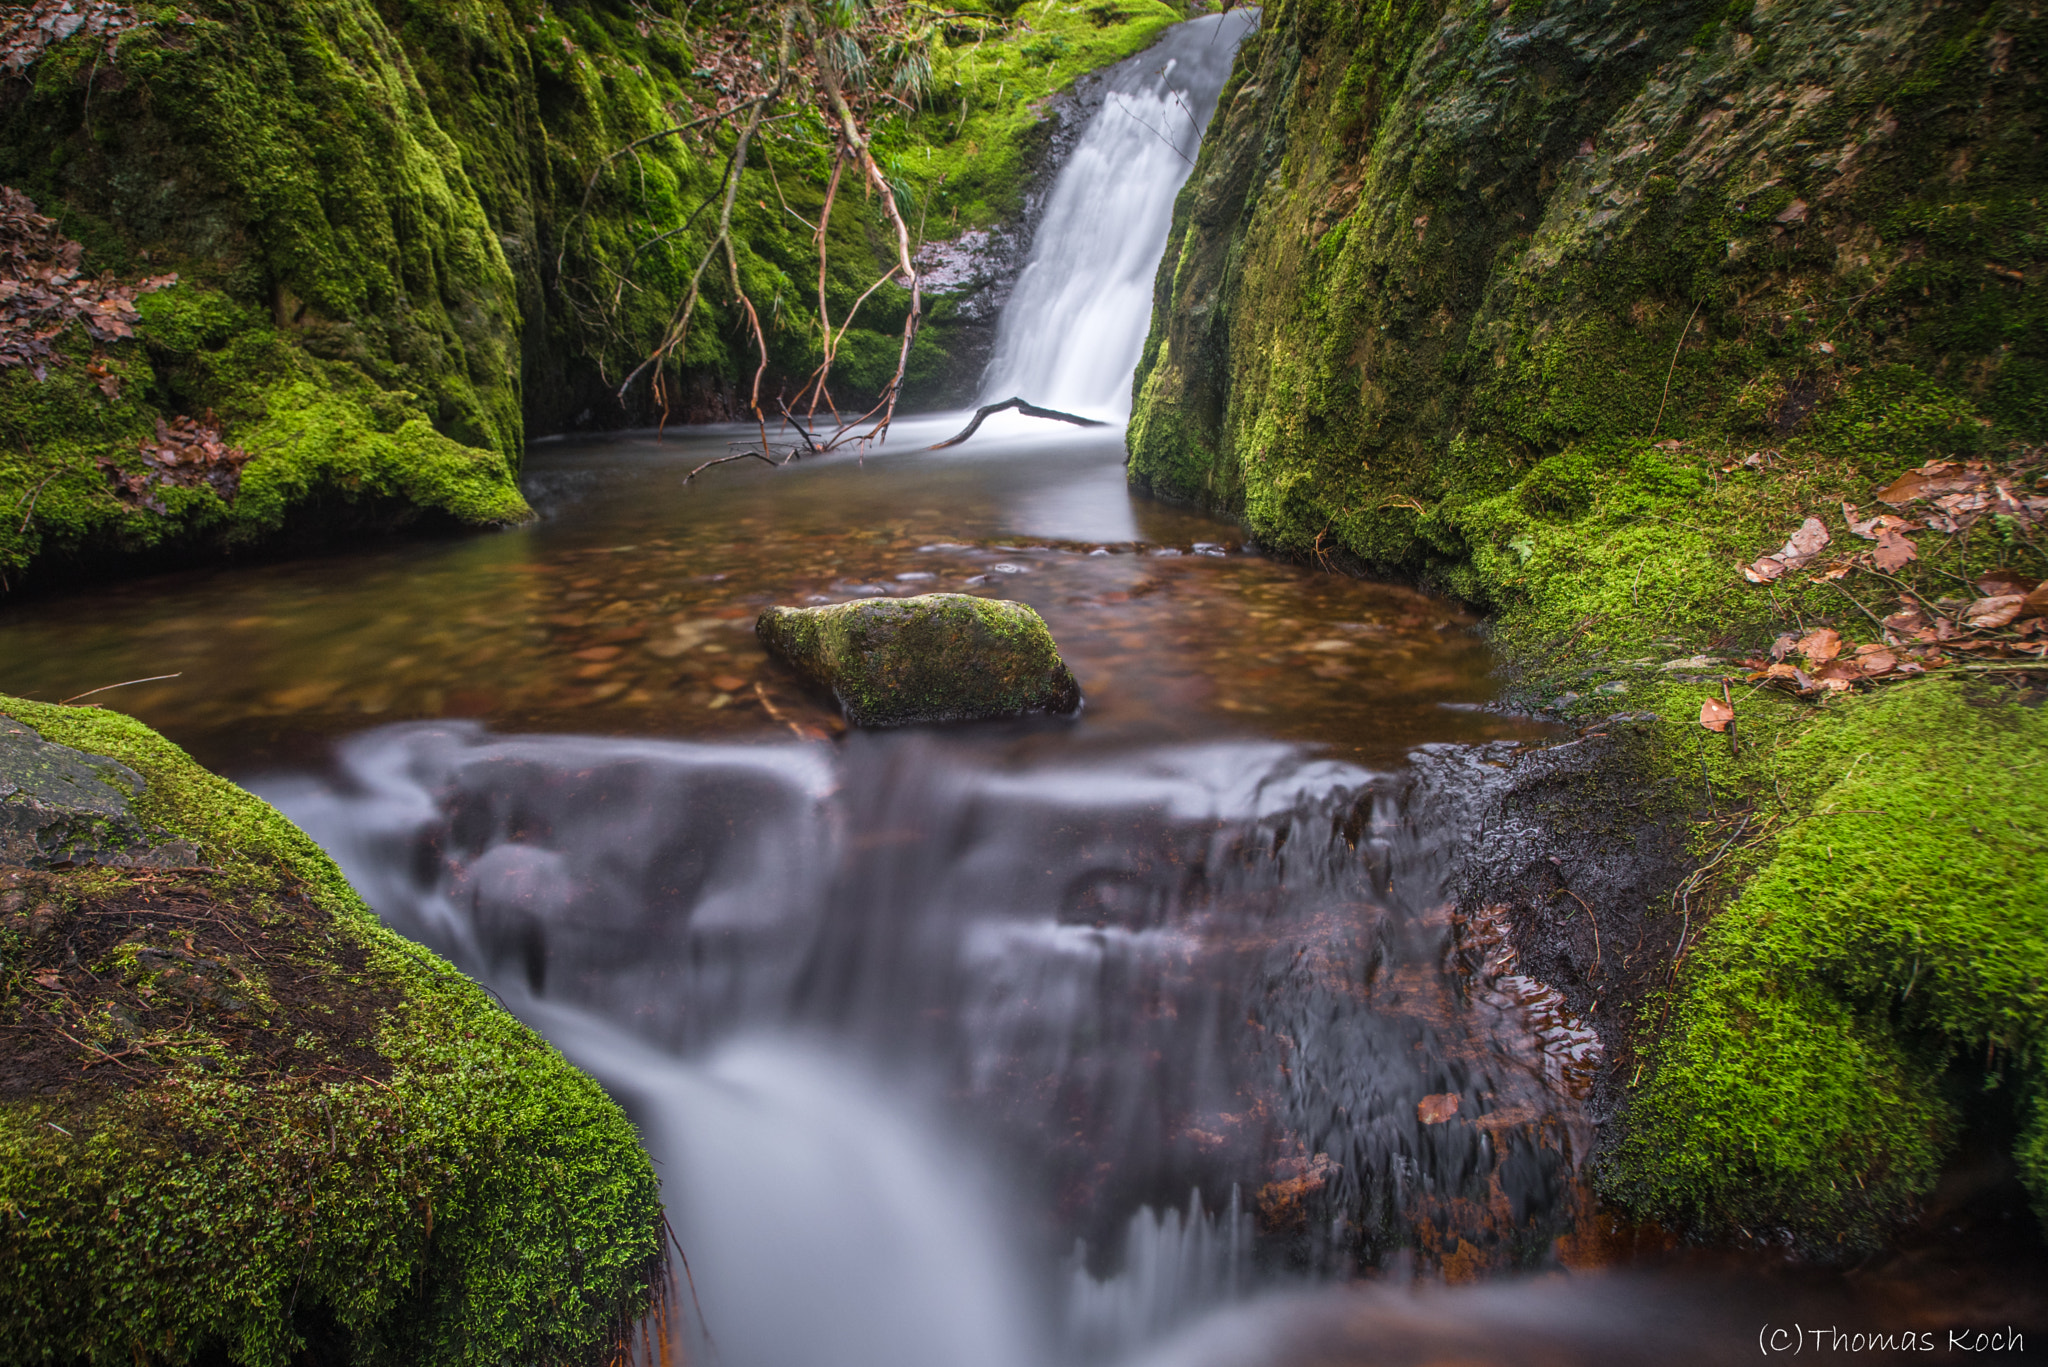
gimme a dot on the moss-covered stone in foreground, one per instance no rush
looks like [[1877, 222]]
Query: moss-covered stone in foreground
[[939, 657], [237, 1116]]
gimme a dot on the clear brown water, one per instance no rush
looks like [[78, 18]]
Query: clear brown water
[[628, 610]]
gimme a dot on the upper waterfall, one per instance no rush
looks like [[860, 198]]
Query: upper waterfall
[[1071, 335]]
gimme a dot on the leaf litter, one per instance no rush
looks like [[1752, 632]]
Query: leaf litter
[[2006, 619]]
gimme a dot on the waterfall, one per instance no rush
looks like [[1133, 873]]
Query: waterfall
[[1071, 335]]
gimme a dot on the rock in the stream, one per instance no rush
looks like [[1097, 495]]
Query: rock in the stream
[[939, 657]]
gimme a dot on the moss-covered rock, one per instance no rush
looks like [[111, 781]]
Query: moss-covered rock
[[1576, 309], [238, 1118], [938, 657]]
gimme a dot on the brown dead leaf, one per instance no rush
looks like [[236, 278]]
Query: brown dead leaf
[[1715, 714], [1869, 528], [2035, 603], [1876, 662], [1436, 1108], [1893, 550], [1810, 540], [1820, 646], [1784, 645], [1987, 614], [1996, 583], [1797, 552], [1906, 620]]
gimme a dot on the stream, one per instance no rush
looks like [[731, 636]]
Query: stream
[[1149, 1036]]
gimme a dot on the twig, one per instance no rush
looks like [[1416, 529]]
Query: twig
[[1029, 410], [1734, 748], [727, 460], [1878, 621], [154, 678], [1674, 367], [33, 496], [1157, 134]]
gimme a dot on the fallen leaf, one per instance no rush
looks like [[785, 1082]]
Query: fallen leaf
[[1995, 583], [1805, 544], [1893, 550], [1715, 714], [1437, 1108], [730, 683], [1764, 571], [1905, 620], [2036, 603], [1820, 646], [1903, 490], [1988, 613], [1876, 662], [1783, 646]]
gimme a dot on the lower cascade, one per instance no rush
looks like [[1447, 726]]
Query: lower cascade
[[873, 1008]]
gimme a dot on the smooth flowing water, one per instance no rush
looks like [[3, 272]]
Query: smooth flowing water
[[1132, 1037]]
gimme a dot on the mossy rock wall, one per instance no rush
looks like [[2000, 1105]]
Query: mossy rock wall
[[1428, 246], [381, 1166], [409, 234], [1574, 310]]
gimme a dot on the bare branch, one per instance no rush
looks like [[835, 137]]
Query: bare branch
[[1027, 409]]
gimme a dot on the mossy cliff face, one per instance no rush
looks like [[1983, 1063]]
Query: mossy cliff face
[[1428, 246], [238, 1117], [1576, 309], [409, 234]]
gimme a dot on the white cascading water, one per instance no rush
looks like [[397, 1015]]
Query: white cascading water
[[904, 1018], [1071, 334]]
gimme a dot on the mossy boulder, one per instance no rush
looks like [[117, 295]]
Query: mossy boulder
[[241, 1122], [938, 657]]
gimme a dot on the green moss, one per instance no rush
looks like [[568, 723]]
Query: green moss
[[1577, 319], [972, 150], [483, 1202], [937, 657], [1896, 925]]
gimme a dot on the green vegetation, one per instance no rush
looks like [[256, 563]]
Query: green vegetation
[[938, 657], [382, 1162], [409, 234], [1578, 319]]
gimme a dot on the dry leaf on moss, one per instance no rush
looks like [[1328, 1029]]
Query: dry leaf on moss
[[2001, 581], [1988, 613], [1820, 646], [1715, 714], [1893, 550]]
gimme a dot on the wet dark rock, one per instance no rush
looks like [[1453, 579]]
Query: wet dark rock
[[1581, 844], [933, 658], [59, 805]]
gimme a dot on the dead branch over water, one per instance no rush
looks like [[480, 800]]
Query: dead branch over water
[[1029, 410]]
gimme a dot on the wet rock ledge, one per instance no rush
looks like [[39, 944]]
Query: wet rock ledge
[[239, 1120]]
